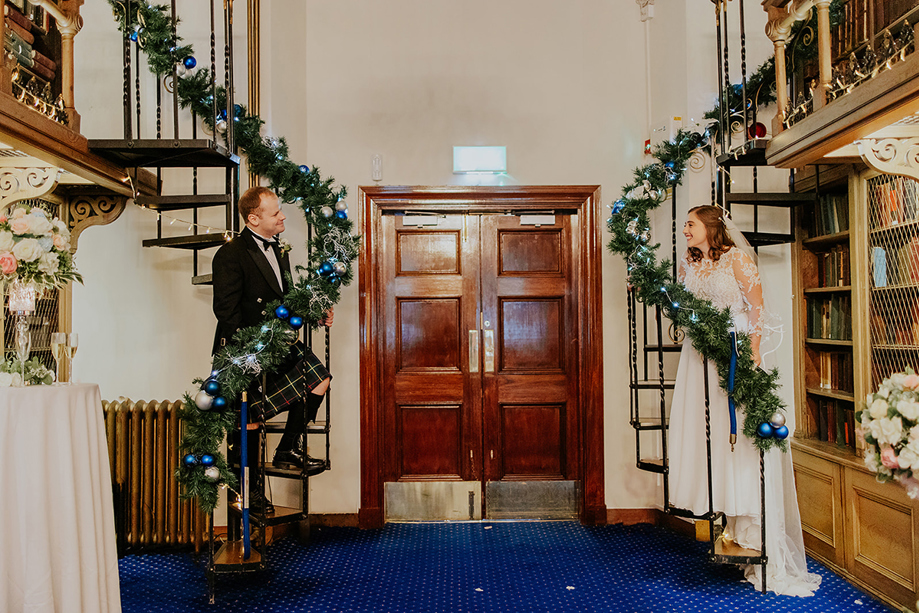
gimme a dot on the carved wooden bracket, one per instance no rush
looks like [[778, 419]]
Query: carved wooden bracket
[[86, 211], [21, 183], [893, 156]]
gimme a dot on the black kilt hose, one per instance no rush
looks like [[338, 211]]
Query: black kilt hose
[[289, 384]]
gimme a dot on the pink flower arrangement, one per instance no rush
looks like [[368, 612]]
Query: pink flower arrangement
[[35, 249]]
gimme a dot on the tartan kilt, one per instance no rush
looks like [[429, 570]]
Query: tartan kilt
[[289, 384]]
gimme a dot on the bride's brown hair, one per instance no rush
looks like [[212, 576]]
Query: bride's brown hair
[[718, 240]]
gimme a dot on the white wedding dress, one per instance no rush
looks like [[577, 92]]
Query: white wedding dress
[[733, 282]]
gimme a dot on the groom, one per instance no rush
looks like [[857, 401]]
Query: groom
[[251, 271]]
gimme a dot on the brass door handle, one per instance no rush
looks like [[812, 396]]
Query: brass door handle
[[473, 351], [489, 351]]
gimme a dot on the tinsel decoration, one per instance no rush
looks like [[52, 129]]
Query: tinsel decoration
[[265, 346], [705, 326]]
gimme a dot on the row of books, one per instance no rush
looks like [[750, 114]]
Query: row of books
[[835, 371], [836, 422], [896, 329], [19, 42], [831, 215], [852, 29], [834, 267], [829, 317], [895, 200], [895, 264]]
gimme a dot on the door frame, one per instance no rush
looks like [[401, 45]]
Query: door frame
[[581, 199]]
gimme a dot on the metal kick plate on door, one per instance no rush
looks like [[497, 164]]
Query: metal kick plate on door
[[531, 499], [489, 351]]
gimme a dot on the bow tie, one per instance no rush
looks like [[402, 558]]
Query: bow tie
[[266, 244]]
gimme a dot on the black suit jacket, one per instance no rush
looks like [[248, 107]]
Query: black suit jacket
[[244, 284]]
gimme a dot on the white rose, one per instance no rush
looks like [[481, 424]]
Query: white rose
[[48, 263], [884, 391], [890, 431], [6, 379], [908, 409], [908, 458], [19, 213], [871, 459], [897, 379], [877, 410], [914, 434], [6, 241], [27, 250], [40, 224]]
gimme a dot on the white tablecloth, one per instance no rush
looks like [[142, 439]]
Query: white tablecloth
[[57, 527]]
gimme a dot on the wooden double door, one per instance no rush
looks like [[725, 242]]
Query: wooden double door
[[478, 351]]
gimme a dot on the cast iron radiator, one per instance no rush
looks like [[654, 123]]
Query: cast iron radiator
[[143, 441]]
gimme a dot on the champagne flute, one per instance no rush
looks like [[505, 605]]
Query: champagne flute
[[58, 346], [73, 343]]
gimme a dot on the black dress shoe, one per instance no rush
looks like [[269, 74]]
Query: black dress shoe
[[312, 462], [289, 459]]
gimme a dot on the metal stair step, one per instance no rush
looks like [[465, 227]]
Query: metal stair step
[[653, 384], [165, 153], [751, 153], [280, 515], [195, 241], [678, 512], [649, 423], [651, 466], [318, 427], [770, 198], [728, 552], [203, 279], [176, 203], [762, 239], [666, 347], [229, 558]]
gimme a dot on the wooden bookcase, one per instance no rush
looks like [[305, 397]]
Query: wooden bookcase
[[865, 530]]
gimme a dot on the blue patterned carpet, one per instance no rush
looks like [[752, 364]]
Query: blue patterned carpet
[[460, 567]]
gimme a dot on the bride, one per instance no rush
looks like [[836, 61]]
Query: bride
[[715, 268]]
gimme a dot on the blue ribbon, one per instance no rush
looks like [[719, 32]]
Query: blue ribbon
[[243, 472], [733, 369]]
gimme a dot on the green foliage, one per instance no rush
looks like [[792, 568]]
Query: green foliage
[[266, 346]]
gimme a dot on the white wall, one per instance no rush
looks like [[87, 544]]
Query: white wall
[[560, 84]]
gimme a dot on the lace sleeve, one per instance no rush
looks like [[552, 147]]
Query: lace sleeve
[[681, 271], [747, 276]]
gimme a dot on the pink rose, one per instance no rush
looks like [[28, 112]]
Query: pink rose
[[60, 243], [2, 218], [8, 263], [889, 458], [911, 381], [20, 225]]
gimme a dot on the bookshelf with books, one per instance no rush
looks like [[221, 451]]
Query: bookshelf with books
[[30, 40], [827, 394]]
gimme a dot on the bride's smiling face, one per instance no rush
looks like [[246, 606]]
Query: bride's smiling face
[[696, 234]]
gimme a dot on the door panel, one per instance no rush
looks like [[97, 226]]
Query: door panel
[[527, 276], [432, 408]]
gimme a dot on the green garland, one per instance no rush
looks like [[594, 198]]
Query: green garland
[[318, 286], [706, 326]]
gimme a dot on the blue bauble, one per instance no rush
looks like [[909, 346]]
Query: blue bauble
[[190, 62], [238, 110], [212, 387], [207, 460], [134, 36], [765, 430], [223, 114], [282, 312], [669, 164], [219, 402], [190, 460], [296, 322], [618, 206], [781, 432], [325, 269], [341, 214], [304, 169]]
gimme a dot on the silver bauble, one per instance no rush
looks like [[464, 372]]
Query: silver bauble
[[221, 126], [646, 235], [180, 69], [632, 227], [204, 401], [339, 268], [326, 211], [341, 205], [777, 420], [652, 194], [212, 473]]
